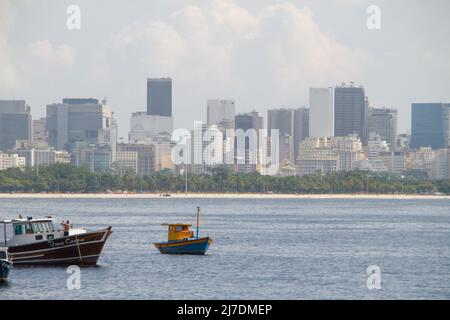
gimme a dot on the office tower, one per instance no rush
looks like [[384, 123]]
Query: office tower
[[301, 128], [85, 121], [321, 112], [283, 121], [383, 122], [159, 97], [145, 128], [145, 157], [15, 123], [430, 125], [350, 112], [40, 133], [221, 113], [245, 122], [127, 162]]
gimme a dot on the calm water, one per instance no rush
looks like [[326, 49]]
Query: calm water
[[263, 249]]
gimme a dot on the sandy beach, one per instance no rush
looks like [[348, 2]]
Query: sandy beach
[[216, 196]]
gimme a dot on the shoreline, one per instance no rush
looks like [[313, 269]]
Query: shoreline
[[216, 196]]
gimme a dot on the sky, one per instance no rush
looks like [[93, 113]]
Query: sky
[[262, 53]]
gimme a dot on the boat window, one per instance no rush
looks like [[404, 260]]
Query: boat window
[[19, 229], [178, 228], [28, 228], [37, 226], [3, 255], [50, 227]]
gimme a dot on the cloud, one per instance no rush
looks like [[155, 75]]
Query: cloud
[[225, 42], [9, 79], [44, 51]]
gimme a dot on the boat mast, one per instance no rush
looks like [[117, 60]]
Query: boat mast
[[198, 219]]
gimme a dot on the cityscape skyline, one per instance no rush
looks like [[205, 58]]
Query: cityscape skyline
[[112, 58]]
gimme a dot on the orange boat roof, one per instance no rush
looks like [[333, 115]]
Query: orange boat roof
[[177, 224]]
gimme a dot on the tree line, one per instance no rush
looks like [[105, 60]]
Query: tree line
[[63, 178]]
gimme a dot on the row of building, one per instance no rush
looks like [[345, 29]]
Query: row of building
[[338, 131]]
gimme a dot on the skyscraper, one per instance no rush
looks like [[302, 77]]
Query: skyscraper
[[430, 125], [301, 128], [15, 123], [321, 117], [159, 97], [350, 112], [245, 122], [283, 120], [383, 122], [81, 120], [221, 113]]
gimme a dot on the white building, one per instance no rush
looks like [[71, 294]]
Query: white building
[[440, 165], [221, 112], [145, 127], [321, 113], [11, 161], [329, 154]]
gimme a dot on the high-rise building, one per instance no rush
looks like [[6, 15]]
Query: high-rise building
[[440, 166], [283, 121], [221, 113], [145, 157], [383, 122], [350, 112], [245, 122], [321, 113], [15, 123], [81, 120], [301, 128], [430, 125], [126, 162], [159, 97], [145, 128], [40, 133]]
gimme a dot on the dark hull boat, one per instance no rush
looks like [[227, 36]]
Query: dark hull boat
[[80, 249], [194, 246], [5, 265]]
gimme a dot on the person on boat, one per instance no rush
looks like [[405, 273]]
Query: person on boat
[[66, 228]]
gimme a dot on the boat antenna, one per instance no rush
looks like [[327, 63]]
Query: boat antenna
[[198, 219]]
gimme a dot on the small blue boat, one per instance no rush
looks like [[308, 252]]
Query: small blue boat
[[181, 240], [5, 265]]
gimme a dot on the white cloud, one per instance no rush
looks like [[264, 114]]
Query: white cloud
[[45, 52], [9, 77], [216, 43]]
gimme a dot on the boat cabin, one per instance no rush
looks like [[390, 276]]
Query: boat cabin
[[29, 230], [179, 231], [4, 254]]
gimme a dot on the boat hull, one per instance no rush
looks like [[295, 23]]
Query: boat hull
[[82, 249], [194, 246], [5, 267]]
